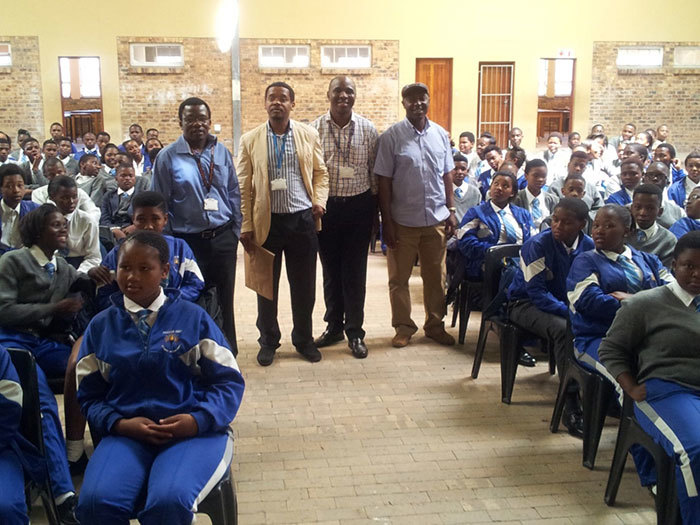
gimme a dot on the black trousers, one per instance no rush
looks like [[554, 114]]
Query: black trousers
[[216, 258], [294, 235], [343, 244]]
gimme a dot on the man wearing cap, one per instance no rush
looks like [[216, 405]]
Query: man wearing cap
[[349, 144], [413, 163]]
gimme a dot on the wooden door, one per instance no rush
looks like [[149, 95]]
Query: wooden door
[[81, 95], [436, 73], [496, 99]]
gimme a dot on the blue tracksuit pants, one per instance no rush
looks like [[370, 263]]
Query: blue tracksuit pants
[[50, 355], [670, 414], [13, 510], [172, 480]]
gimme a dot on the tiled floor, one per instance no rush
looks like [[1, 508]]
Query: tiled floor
[[406, 436]]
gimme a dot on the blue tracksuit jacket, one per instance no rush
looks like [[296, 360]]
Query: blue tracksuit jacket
[[684, 225], [619, 197]]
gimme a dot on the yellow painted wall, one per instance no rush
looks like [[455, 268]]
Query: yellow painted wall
[[465, 30]]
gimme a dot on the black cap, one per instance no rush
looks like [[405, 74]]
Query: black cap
[[416, 87]]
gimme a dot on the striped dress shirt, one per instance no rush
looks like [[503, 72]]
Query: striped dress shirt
[[294, 198], [355, 146]]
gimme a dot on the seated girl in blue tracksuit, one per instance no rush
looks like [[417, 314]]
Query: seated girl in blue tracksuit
[[600, 279], [692, 221], [493, 222], [681, 188], [158, 380]]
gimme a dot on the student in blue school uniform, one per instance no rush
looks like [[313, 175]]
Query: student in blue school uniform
[[466, 195], [170, 442], [631, 172], [653, 351], [115, 221], [599, 280], [657, 173], [649, 236], [494, 158], [12, 206], [537, 293], [666, 153], [493, 222], [533, 198], [683, 186], [692, 221]]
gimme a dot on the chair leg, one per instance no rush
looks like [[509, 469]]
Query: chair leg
[[510, 350], [464, 311], [564, 383], [594, 412], [618, 464], [480, 345], [552, 360], [455, 306]]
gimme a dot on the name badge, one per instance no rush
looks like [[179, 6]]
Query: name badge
[[211, 204], [347, 172], [278, 184]]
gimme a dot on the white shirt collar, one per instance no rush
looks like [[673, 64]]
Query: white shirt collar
[[134, 308], [330, 119], [497, 209], [614, 255], [629, 192], [40, 256], [5, 208], [531, 197], [651, 230], [128, 192], [572, 248], [684, 296]]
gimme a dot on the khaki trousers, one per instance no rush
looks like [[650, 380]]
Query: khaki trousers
[[428, 243]]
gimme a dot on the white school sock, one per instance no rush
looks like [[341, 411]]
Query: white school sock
[[74, 449]]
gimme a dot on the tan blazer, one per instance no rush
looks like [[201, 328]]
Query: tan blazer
[[255, 182]]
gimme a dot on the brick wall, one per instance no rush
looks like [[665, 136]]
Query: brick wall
[[150, 97], [646, 97], [377, 88], [21, 99]]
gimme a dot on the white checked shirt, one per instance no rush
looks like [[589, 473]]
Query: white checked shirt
[[294, 198], [355, 146]]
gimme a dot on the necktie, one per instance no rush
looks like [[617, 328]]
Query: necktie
[[124, 195], [50, 269], [641, 236], [536, 211], [696, 303], [511, 236], [142, 324], [459, 192], [634, 283]]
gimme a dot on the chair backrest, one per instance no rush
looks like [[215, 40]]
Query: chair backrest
[[30, 424], [494, 266]]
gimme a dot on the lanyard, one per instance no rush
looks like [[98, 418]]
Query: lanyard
[[336, 140], [279, 153], [207, 182]]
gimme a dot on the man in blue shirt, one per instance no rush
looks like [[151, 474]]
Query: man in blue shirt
[[414, 164], [197, 177]]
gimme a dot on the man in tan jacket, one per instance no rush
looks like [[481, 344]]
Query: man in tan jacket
[[284, 188]]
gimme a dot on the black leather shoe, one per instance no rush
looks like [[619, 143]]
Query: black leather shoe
[[66, 511], [78, 467], [328, 338], [573, 421], [311, 353], [358, 347], [526, 359], [265, 356]]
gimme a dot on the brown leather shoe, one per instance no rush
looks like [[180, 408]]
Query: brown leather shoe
[[442, 337], [400, 340]]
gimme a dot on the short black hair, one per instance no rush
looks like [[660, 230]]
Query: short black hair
[[576, 206], [108, 146], [103, 134], [490, 148], [192, 101], [630, 124], [51, 126], [458, 157], [134, 125], [574, 176], [123, 166], [149, 199], [8, 170], [62, 181], [579, 155], [281, 85], [692, 155], [34, 222], [151, 129], [649, 189], [534, 163], [669, 147], [636, 162], [623, 213], [50, 163], [572, 134], [64, 139], [511, 177], [518, 155], [556, 135], [488, 135], [469, 135], [49, 141], [513, 129], [87, 157], [22, 131], [689, 241], [7, 139], [639, 149], [27, 141], [149, 238]]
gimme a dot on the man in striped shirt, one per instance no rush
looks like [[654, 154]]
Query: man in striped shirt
[[349, 143]]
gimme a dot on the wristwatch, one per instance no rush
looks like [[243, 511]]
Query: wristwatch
[[452, 210]]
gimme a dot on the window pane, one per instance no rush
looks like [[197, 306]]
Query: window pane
[[89, 77], [640, 57], [65, 89], [686, 56], [544, 73]]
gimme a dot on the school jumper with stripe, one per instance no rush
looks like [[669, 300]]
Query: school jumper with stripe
[[684, 225], [656, 337], [619, 197], [480, 229], [182, 365], [678, 193]]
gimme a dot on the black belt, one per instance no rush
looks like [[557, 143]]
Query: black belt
[[210, 234], [346, 199]]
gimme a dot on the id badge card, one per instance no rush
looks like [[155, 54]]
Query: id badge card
[[278, 184], [211, 204], [346, 172]]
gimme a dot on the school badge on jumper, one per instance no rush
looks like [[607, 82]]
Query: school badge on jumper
[[176, 260], [172, 341]]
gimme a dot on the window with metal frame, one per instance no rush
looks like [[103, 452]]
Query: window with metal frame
[[5, 54], [686, 56], [496, 99], [156, 55], [274, 56], [346, 57], [640, 57]]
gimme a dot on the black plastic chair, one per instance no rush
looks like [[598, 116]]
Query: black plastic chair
[[631, 433], [597, 396], [30, 428]]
